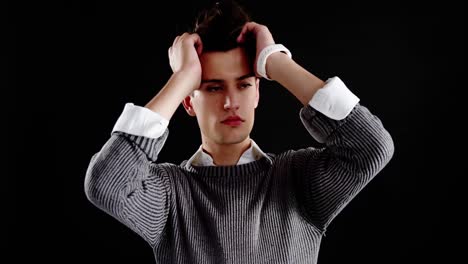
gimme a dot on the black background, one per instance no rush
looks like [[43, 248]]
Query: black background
[[73, 65]]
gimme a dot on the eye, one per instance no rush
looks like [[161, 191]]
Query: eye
[[246, 85], [213, 88]]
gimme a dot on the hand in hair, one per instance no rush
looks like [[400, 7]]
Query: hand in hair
[[260, 33], [183, 55]]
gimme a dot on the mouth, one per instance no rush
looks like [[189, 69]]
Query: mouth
[[233, 121]]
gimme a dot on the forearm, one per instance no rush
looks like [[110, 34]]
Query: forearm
[[357, 148], [171, 95], [360, 142], [118, 181], [301, 83]]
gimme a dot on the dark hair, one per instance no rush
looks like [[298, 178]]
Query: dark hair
[[220, 25]]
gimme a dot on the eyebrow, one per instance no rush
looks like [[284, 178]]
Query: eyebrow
[[238, 78]]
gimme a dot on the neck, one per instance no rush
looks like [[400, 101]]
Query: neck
[[226, 154]]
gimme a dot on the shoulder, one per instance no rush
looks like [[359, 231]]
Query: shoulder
[[292, 155]]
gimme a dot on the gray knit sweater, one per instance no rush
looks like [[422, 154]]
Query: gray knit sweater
[[272, 210]]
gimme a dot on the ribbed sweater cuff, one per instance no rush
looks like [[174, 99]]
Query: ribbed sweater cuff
[[319, 126], [150, 146]]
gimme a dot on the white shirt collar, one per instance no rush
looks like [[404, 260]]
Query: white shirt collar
[[201, 158]]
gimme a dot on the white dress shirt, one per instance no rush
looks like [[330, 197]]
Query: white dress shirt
[[334, 100], [202, 158]]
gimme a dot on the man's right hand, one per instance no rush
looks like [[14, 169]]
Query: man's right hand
[[183, 57]]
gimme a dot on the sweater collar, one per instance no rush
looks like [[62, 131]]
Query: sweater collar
[[201, 158], [232, 171]]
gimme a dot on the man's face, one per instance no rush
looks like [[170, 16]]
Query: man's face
[[228, 88]]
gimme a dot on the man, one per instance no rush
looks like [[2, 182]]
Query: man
[[230, 202]]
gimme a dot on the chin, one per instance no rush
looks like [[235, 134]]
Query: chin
[[232, 139]]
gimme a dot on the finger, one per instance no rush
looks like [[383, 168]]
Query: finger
[[175, 40], [184, 36], [248, 27], [169, 51], [240, 38], [198, 43]]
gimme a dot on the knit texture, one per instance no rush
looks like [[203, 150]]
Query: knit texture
[[272, 210]]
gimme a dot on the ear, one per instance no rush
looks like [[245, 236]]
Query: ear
[[187, 102], [257, 92]]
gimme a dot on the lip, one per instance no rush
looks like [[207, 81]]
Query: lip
[[233, 121]]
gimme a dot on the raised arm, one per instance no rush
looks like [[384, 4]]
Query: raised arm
[[123, 178], [280, 67], [184, 61], [356, 144]]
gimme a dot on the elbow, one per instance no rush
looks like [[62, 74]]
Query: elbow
[[90, 186], [388, 148], [93, 182], [383, 151], [373, 144], [374, 155], [102, 185]]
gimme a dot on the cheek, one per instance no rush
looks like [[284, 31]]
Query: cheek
[[207, 107], [250, 102]]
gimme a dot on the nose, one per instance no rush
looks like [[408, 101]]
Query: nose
[[231, 102]]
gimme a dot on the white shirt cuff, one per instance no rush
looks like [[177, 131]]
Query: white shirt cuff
[[334, 99], [141, 121]]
